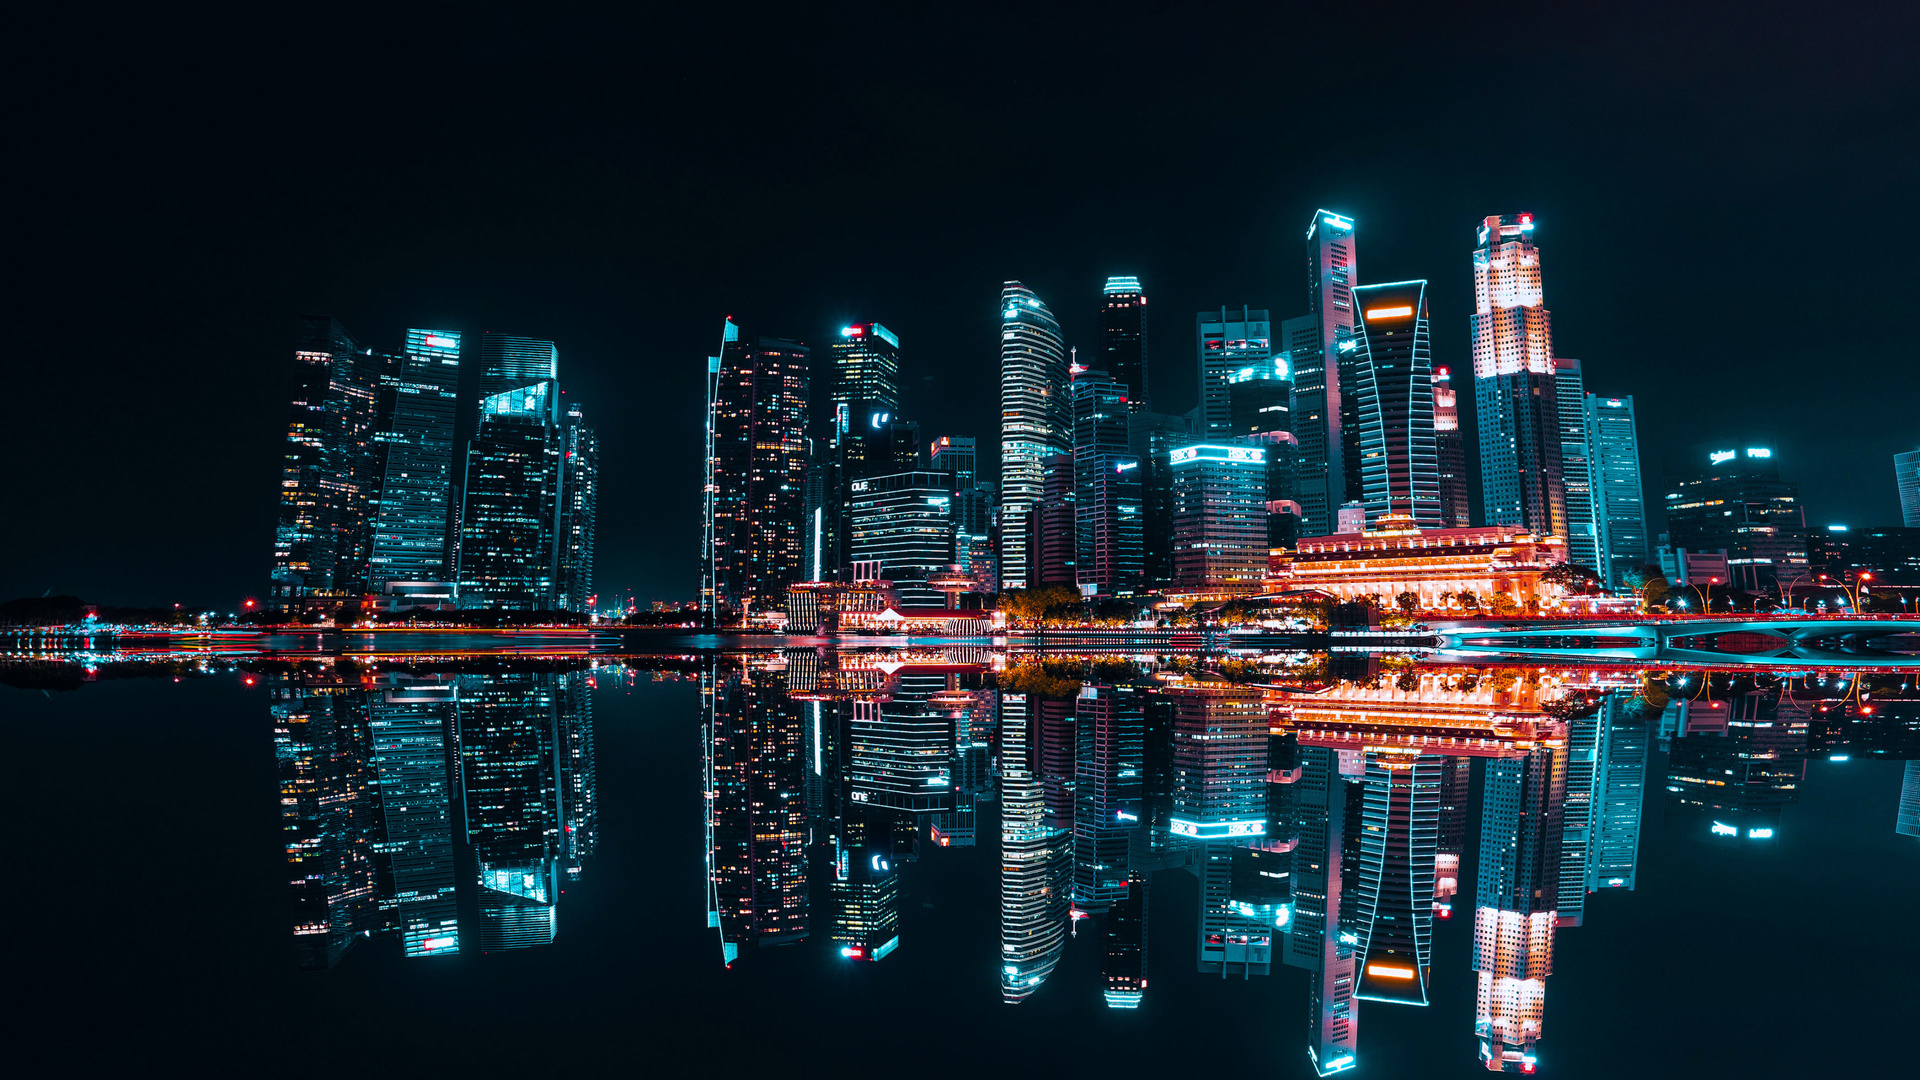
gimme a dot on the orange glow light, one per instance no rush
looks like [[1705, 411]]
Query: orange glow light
[[1389, 312], [1385, 972]]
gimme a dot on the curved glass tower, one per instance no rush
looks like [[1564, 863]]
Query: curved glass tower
[[1034, 421]]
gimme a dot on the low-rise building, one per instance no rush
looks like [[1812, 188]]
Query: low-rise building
[[1441, 567]]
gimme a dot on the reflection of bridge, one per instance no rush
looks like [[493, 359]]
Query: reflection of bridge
[[1721, 642]]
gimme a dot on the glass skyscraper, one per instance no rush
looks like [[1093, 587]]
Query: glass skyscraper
[[510, 362], [756, 474], [328, 474], [1456, 509], [510, 755], [1123, 336], [1311, 346], [579, 510], [756, 808], [1036, 863], [1906, 476], [510, 504], [1576, 464], [1388, 389], [1219, 516], [1619, 501], [1107, 507], [1034, 419], [1514, 386], [411, 723], [418, 396], [904, 521], [1229, 344]]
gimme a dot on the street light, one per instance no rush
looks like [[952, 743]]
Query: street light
[[1706, 608]]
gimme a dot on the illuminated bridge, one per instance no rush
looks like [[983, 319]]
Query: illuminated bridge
[[1718, 642]]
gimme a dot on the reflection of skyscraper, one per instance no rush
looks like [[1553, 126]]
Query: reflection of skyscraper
[[1619, 797], [902, 747], [329, 812], [1513, 381], [1123, 964], [1450, 445], [1034, 418], [1451, 841], [1400, 817], [756, 809], [410, 725], [579, 778], [1517, 887], [866, 902], [1732, 775], [1108, 774], [1035, 864], [1586, 738], [1907, 821], [1219, 762], [510, 746], [1318, 938]]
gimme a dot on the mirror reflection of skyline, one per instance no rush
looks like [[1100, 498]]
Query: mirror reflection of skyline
[[1325, 825]]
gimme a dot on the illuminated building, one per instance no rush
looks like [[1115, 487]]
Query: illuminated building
[[1436, 565], [1734, 767], [1451, 448], [1035, 864], [411, 722], [1450, 841], [1052, 555], [1052, 746], [756, 808], [1586, 738], [1891, 554], [509, 362], [865, 381], [1400, 818], [1576, 482], [1906, 821], [1151, 437], [1123, 962], [1259, 403], [1234, 938], [1619, 504], [823, 526], [1619, 798], [958, 457], [1516, 889], [1219, 517], [1034, 422], [330, 820], [1387, 387], [1736, 501], [1123, 338], [417, 399], [1109, 728], [328, 472], [1320, 936], [1311, 344], [1906, 477], [1107, 508], [579, 511], [1513, 385], [1228, 343], [866, 902], [1219, 761], [756, 474], [510, 776], [903, 521], [901, 745], [509, 547], [579, 777]]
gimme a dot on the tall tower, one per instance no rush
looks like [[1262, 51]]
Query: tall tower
[[1312, 344], [1389, 383], [1231, 345], [1619, 504], [1576, 459], [509, 554], [579, 510], [327, 474], [1033, 419], [1107, 508], [1906, 475], [756, 474], [1455, 508], [1123, 316], [410, 518], [866, 374], [1513, 388], [511, 362]]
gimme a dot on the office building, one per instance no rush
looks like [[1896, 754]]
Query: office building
[[1450, 446], [1450, 843], [901, 747], [1323, 935], [1107, 508], [1219, 777], [1109, 730], [1906, 820], [1387, 388], [329, 819], [530, 365], [1517, 888], [1906, 476], [579, 776], [756, 474], [1619, 501], [1890, 554], [866, 901], [1576, 483], [1310, 345], [511, 496], [1228, 343], [1123, 337], [1052, 539], [412, 508], [958, 457], [328, 472], [1619, 797], [1034, 420], [756, 808], [1514, 381], [865, 383], [1152, 437], [903, 521], [1219, 496], [1734, 500], [1586, 758], [510, 753], [579, 510]]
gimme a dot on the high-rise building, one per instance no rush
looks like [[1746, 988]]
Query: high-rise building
[[579, 777], [1576, 463], [1323, 935], [1219, 516], [1619, 502], [865, 383], [1109, 729], [417, 399], [328, 474], [1152, 437], [901, 749], [1219, 762], [510, 775], [330, 819], [1906, 476], [1034, 419], [1517, 888], [1514, 387], [579, 510], [1450, 845], [1229, 344], [511, 496], [1311, 347], [1387, 388], [510, 362], [1052, 552], [903, 521], [1456, 511], [866, 901], [1123, 337], [756, 474], [958, 457], [1906, 820], [1107, 508], [1619, 797], [1736, 501]]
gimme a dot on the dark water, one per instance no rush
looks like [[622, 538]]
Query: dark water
[[154, 915]]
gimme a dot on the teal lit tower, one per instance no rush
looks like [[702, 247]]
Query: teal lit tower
[[1034, 420], [1388, 383], [410, 519]]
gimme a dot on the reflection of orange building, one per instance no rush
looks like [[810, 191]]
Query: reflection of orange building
[[1436, 565], [1435, 717]]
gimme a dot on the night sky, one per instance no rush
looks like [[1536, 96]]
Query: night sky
[[1725, 196]]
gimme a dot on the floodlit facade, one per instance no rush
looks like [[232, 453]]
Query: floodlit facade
[[1311, 347], [1438, 566], [756, 474], [1388, 382], [1034, 419], [1219, 497], [1514, 387]]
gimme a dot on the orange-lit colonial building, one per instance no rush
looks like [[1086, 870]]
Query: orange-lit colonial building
[[1436, 565]]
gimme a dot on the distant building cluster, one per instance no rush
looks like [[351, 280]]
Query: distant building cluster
[[380, 500]]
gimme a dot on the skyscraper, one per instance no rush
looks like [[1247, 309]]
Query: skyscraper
[[1735, 500], [756, 474], [866, 377], [1906, 475], [418, 396], [1456, 511], [1400, 818], [1227, 344], [411, 722], [1123, 314], [903, 521], [1108, 771], [510, 362], [509, 546], [1323, 936], [1152, 437], [1107, 510], [1052, 555], [1311, 344], [1514, 388], [579, 510], [1576, 459], [756, 808], [1619, 797], [328, 474], [1219, 516], [510, 755], [1387, 382], [1123, 964], [1619, 502], [1034, 419], [330, 818]]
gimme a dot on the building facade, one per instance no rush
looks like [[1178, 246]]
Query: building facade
[[1311, 345], [756, 474], [1227, 344], [1034, 419], [509, 544], [1107, 508], [1619, 499], [1576, 461], [1219, 510], [1123, 337], [1484, 569], [418, 396], [1906, 477], [1736, 501], [1514, 387], [1450, 446], [1395, 464], [903, 521], [327, 474]]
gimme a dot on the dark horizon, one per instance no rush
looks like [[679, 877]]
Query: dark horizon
[[1721, 198]]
